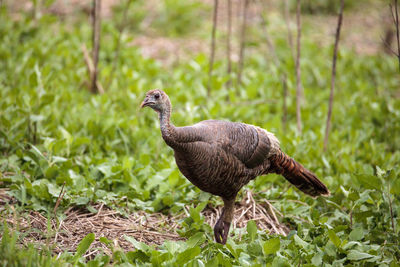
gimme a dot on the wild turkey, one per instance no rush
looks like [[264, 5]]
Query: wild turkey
[[220, 157]]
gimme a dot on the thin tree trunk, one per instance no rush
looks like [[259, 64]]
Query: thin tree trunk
[[387, 40], [335, 52], [242, 43], [212, 52], [228, 45], [298, 73], [118, 46], [96, 25]]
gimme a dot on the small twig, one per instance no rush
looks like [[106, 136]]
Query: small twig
[[270, 221], [60, 197], [395, 17], [55, 238], [388, 47], [212, 52], [88, 60], [243, 213], [99, 211], [90, 253], [271, 210], [335, 52], [253, 202], [96, 24], [90, 67]]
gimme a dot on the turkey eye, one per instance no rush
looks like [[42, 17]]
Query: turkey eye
[[156, 96]]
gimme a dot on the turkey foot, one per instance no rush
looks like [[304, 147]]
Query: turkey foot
[[221, 230]]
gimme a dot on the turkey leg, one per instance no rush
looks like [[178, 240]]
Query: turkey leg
[[221, 228]]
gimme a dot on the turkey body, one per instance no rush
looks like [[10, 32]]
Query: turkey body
[[220, 157]]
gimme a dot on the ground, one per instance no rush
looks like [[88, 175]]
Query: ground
[[151, 228]]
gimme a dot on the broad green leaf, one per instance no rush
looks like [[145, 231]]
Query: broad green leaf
[[194, 214], [56, 159], [357, 255], [279, 262], [356, 234], [255, 249], [301, 242], [317, 259], [196, 240], [245, 260], [199, 208], [84, 245], [138, 245], [172, 246], [252, 229], [168, 200], [106, 170], [53, 190], [369, 181], [271, 246], [351, 244], [38, 151], [81, 201], [334, 238], [52, 172], [395, 187], [187, 255]]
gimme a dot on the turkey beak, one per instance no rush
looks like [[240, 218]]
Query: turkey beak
[[145, 103]]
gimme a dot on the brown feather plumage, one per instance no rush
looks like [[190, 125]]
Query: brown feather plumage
[[220, 157], [297, 175]]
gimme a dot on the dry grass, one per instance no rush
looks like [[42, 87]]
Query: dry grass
[[264, 214], [151, 228]]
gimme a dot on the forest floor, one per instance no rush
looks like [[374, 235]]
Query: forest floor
[[150, 228]]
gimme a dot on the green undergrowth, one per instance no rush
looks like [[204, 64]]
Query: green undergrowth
[[105, 149]]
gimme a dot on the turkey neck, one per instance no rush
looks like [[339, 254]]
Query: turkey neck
[[167, 128]]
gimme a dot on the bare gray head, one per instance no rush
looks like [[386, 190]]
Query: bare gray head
[[158, 100]]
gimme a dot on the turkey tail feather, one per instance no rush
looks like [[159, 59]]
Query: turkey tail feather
[[297, 175]]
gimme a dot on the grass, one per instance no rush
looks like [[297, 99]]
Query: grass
[[105, 150]]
